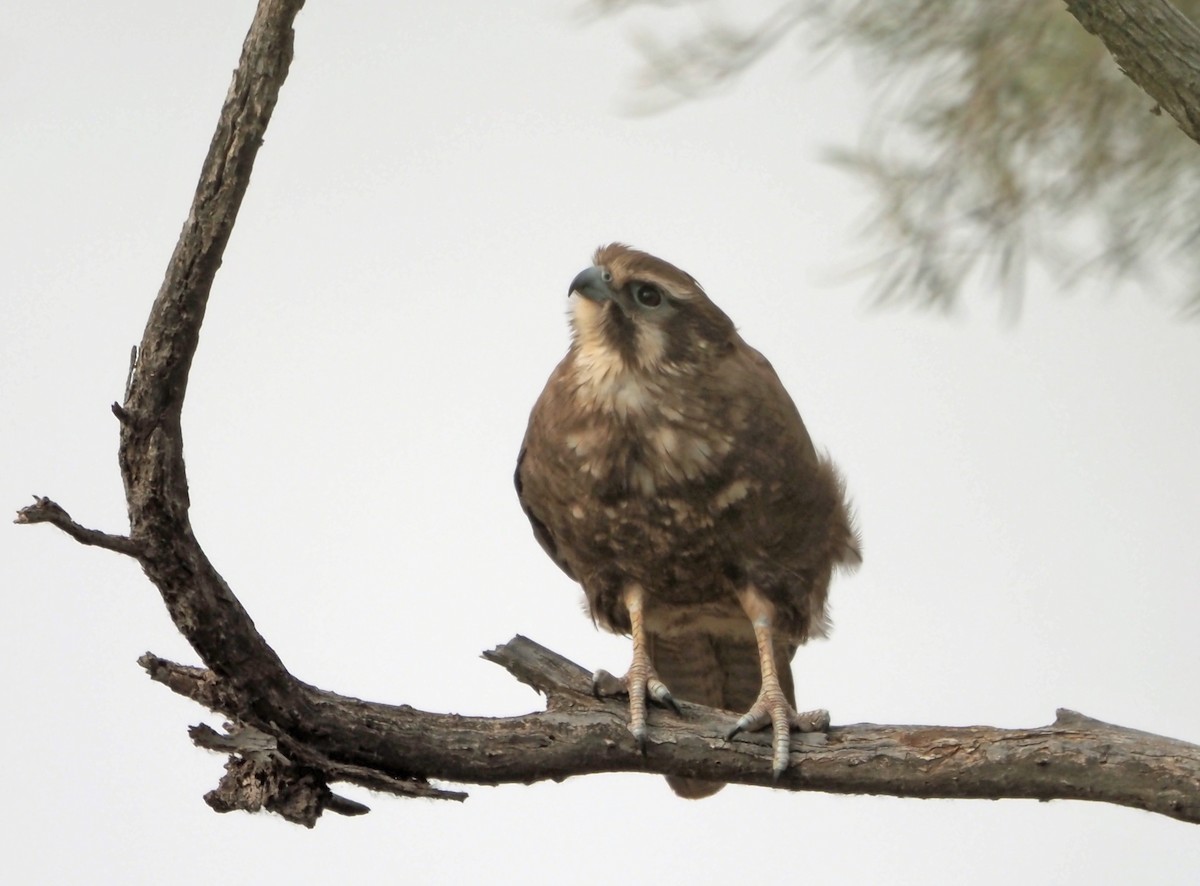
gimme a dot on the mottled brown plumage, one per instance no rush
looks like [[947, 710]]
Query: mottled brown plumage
[[666, 469]]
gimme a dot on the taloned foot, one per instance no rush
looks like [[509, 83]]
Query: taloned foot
[[640, 687], [772, 705], [772, 708], [641, 681]]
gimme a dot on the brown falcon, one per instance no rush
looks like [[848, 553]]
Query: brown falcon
[[666, 469]]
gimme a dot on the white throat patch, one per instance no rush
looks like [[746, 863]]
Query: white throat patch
[[605, 381], [648, 396]]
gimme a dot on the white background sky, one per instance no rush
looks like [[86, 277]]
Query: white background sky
[[390, 305]]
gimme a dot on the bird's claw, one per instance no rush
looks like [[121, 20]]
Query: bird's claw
[[811, 721], [658, 692], [774, 709], [645, 686], [607, 685]]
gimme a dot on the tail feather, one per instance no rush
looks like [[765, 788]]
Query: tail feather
[[693, 788]]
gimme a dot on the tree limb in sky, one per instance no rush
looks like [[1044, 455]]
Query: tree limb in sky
[[289, 741], [1002, 136]]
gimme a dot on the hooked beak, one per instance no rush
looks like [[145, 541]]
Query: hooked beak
[[593, 283]]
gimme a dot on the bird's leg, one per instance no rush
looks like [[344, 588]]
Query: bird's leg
[[772, 705], [641, 680]]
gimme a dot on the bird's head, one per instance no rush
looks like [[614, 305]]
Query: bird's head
[[634, 312]]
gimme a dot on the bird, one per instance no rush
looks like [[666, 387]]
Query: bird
[[667, 471]]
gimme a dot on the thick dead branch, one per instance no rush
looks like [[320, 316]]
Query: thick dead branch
[[1157, 47], [288, 740], [151, 450], [1075, 757]]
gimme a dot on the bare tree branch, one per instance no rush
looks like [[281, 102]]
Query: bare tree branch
[[1075, 757], [151, 450], [288, 740], [1157, 46], [43, 510], [258, 776]]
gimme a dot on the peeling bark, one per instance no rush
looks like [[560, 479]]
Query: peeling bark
[[289, 741]]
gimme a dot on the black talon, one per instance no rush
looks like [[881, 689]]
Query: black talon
[[640, 741], [669, 701]]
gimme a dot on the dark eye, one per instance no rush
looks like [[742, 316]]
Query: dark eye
[[647, 295]]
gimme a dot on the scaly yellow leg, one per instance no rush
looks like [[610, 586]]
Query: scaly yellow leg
[[772, 705], [641, 680]]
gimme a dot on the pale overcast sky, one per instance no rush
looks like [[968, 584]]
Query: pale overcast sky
[[391, 303]]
